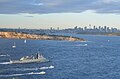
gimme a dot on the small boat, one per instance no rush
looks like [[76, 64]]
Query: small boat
[[25, 41], [14, 46], [31, 59], [51, 67], [42, 72]]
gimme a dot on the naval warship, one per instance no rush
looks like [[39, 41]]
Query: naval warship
[[31, 59]]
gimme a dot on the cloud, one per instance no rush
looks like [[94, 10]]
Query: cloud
[[110, 1], [58, 6], [5, 0], [29, 16], [39, 4]]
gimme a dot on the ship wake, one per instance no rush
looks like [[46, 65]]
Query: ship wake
[[3, 55], [30, 69], [23, 74], [5, 63]]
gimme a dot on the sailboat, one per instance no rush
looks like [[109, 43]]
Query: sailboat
[[25, 41], [14, 46]]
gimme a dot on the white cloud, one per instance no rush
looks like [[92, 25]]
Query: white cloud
[[58, 6], [110, 1], [39, 4], [5, 0]]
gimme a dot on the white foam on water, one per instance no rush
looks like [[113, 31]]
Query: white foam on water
[[5, 63], [43, 68], [31, 73], [39, 73], [29, 69], [86, 41], [11, 75], [4, 55], [82, 45], [23, 69], [50, 67]]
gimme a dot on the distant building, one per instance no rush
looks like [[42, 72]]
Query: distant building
[[57, 28]]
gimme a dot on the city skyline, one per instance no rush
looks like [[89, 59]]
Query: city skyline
[[44, 14]]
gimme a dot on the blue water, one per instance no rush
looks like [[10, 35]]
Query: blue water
[[97, 58]]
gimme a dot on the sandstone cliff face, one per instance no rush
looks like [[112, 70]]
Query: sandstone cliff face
[[40, 37]]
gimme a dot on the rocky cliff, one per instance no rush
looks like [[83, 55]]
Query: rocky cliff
[[40, 37]]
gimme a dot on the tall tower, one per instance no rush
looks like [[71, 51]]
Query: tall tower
[[89, 26], [57, 28]]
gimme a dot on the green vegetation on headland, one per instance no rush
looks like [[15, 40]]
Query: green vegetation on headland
[[38, 36]]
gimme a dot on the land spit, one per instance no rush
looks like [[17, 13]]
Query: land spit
[[16, 35]]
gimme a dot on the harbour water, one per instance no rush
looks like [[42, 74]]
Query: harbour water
[[97, 58]]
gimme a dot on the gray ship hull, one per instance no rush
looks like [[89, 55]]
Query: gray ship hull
[[29, 61]]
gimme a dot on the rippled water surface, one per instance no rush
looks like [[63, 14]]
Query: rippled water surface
[[97, 58]]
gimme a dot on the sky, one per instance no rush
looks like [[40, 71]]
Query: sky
[[43, 14]]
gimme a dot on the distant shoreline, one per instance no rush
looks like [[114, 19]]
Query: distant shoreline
[[105, 34], [113, 34], [38, 36]]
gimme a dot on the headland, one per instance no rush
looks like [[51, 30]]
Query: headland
[[17, 35]]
